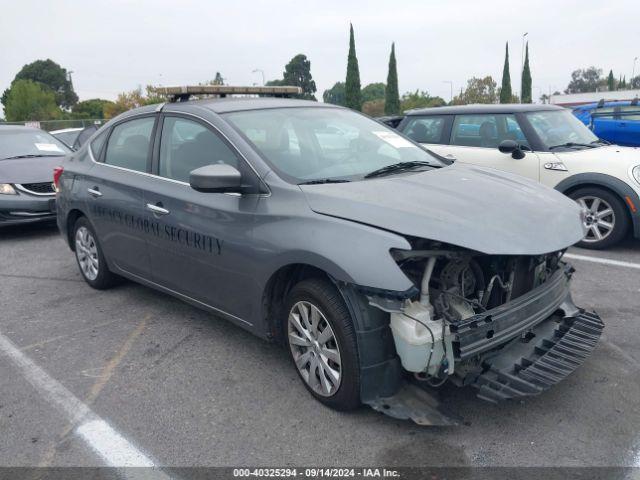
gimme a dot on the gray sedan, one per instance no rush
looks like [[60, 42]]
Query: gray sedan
[[28, 157], [384, 270]]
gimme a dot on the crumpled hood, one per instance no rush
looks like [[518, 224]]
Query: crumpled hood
[[472, 207], [29, 170]]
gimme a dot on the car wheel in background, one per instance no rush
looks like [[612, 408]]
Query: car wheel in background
[[93, 266], [606, 219], [322, 343]]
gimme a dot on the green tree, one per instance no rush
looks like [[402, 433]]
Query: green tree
[[505, 91], [335, 95], [525, 92], [353, 97], [93, 108], [419, 99], [391, 94], [611, 81], [218, 80], [635, 82], [275, 83], [374, 108], [53, 76], [623, 84], [584, 80], [479, 90], [373, 91], [133, 99], [29, 100], [298, 73]]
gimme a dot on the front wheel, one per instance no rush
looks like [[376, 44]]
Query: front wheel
[[322, 343], [606, 219]]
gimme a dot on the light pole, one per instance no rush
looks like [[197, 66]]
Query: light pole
[[450, 89], [633, 72], [262, 72], [522, 64]]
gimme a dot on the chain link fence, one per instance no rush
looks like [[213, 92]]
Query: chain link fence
[[50, 125]]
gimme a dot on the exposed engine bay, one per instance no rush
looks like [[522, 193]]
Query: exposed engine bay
[[459, 289]]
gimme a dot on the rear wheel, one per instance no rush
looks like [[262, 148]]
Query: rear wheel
[[91, 261], [606, 219], [322, 343]]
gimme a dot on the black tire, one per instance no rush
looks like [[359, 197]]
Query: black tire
[[104, 278], [620, 217], [325, 297]]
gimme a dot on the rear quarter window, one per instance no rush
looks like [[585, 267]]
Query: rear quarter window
[[425, 129]]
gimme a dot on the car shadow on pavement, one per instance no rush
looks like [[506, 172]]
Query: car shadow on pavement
[[17, 232]]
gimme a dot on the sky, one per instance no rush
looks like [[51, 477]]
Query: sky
[[114, 46]]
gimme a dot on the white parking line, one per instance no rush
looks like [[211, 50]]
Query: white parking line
[[111, 446], [605, 261]]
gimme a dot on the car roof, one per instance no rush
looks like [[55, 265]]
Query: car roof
[[65, 130], [612, 103], [483, 108], [235, 104]]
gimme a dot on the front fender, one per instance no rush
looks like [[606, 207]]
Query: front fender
[[349, 252]]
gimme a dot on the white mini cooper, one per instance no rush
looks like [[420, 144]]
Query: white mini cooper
[[546, 143]]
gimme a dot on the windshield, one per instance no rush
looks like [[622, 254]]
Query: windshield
[[30, 143], [68, 137], [313, 144], [560, 128]]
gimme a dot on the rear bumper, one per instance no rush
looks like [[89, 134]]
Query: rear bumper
[[21, 209]]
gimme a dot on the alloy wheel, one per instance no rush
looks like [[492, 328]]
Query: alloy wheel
[[87, 253], [314, 348], [599, 218]]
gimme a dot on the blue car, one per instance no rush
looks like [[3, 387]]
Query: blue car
[[616, 122]]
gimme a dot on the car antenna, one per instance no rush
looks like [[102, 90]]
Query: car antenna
[[183, 93]]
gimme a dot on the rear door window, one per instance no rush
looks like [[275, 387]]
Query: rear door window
[[128, 145], [425, 129]]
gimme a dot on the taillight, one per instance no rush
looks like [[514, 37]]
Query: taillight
[[57, 173]]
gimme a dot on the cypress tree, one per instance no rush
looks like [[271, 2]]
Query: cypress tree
[[526, 79], [611, 82], [505, 91], [352, 85], [391, 94]]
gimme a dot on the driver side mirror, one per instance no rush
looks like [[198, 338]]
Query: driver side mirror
[[216, 178], [512, 147]]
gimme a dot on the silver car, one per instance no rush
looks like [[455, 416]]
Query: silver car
[[383, 269]]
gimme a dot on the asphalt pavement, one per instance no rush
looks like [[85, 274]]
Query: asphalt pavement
[[173, 385]]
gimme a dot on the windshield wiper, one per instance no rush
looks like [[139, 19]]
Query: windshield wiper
[[573, 144], [30, 156], [600, 142], [397, 167], [324, 180]]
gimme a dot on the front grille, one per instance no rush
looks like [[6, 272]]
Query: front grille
[[45, 188]]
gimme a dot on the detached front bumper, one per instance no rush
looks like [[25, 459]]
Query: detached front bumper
[[20, 209]]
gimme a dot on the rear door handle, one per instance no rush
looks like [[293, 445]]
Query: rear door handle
[[157, 209], [94, 192]]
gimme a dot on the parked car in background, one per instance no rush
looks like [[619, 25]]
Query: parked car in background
[[545, 143], [317, 227], [28, 157], [616, 122], [74, 138]]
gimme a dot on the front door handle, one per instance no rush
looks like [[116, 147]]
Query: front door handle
[[157, 209], [94, 192]]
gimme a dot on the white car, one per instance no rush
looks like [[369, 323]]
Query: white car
[[545, 143]]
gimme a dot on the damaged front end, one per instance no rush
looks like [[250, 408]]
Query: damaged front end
[[504, 324]]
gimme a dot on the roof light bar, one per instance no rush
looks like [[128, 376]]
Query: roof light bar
[[183, 93]]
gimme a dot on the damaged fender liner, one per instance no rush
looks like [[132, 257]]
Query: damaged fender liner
[[490, 329]]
